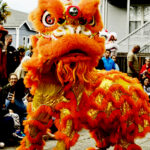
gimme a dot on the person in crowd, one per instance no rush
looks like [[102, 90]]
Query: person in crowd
[[21, 53], [3, 70], [145, 70], [146, 86], [11, 53], [100, 65], [108, 62], [8, 56], [114, 58], [132, 62], [17, 125], [6, 125], [28, 98], [12, 95], [29, 52], [20, 72]]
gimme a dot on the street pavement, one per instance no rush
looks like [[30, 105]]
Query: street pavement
[[85, 141]]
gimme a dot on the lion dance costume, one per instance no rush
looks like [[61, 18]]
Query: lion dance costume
[[66, 85]]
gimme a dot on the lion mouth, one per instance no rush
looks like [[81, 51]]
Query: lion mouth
[[76, 52]]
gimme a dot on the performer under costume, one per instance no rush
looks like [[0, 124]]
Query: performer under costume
[[66, 85]]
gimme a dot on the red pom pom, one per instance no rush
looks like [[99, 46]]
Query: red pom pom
[[118, 147]]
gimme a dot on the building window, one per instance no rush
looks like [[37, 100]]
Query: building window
[[135, 17], [146, 14], [138, 16], [24, 40], [28, 42]]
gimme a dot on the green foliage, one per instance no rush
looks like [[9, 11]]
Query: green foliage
[[3, 12]]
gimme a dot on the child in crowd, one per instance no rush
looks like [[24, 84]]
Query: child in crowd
[[17, 133], [28, 98]]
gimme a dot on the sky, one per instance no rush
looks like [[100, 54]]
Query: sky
[[22, 5]]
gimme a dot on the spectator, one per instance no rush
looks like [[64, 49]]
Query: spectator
[[12, 95], [8, 55], [100, 65], [114, 58], [145, 70], [108, 62], [7, 126], [17, 125], [28, 98], [29, 52], [20, 72], [132, 62], [21, 53], [146, 86], [3, 70]]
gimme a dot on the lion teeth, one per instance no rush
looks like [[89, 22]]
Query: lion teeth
[[53, 37]]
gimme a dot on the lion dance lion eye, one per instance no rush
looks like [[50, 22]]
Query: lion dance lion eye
[[47, 19], [92, 22]]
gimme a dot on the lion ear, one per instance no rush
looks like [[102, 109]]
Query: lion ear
[[32, 15], [88, 7]]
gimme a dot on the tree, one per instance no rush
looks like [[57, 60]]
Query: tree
[[3, 12]]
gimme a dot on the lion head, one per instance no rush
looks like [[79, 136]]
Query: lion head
[[68, 44]]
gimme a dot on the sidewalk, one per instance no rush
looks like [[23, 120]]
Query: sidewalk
[[85, 141]]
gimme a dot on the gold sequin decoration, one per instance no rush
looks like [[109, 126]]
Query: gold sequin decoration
[[117, 94], [99, 99], [60, 145], [64, 112], [124, 143], [48, 94], [146, 123], [109, 109], [106, 83], [135, 97], [68, 130], [141, 129], [142, 112], [125, 108], [93, 113], [78, 90]]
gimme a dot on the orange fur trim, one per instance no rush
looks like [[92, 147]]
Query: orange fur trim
[[38, 146], [42, 109], [38, 124]]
